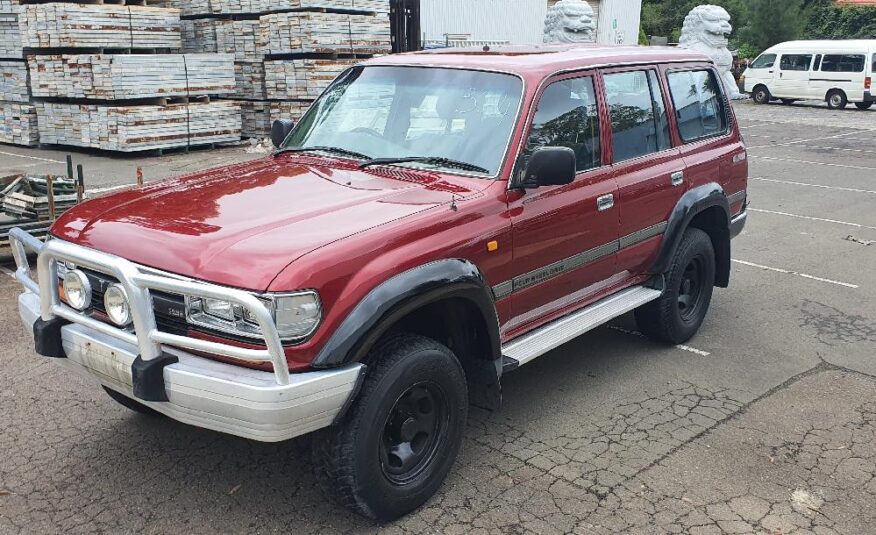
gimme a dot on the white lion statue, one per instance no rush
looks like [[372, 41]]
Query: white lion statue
[[570, 21], [706, 29]]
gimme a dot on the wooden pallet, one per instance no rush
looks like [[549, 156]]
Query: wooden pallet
[[127, 77], [57, 25], [18, 124], [138, 128]]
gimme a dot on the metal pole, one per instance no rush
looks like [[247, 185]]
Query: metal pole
[[70, 166], [50, 193], [80, 184], [139, 176]]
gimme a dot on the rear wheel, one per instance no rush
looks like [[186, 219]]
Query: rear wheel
[[135, 406], [394, 447], [864, 105], [837, 100], [678, 314], [761, 95]]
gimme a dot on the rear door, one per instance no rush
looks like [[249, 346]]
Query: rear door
[[564, 236], [647, 168], [712, 150]]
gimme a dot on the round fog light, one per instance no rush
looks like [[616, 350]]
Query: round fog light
[[115, 302], [77, 289]]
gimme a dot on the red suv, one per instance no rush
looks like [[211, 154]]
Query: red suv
[[434, 221]]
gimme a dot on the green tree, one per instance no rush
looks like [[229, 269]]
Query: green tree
[[768, 22]]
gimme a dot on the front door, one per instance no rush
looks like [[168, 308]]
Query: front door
[[564, 236]]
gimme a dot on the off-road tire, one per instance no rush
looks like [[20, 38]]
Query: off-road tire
[[347, 457], [836, 99], [761, 95], [665, 319], [864, 105], [134, 405]]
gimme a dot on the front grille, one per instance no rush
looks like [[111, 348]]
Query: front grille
[[170, 309]]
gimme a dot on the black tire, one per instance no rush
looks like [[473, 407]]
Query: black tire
[[864, 105], [678, 314], [788, 101], [761, 95], [374, 463], [134, 405], [836, 99]]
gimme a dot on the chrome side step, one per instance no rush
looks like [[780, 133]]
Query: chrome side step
[[530, 346]]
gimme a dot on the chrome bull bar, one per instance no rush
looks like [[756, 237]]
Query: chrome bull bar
[[137, 285]]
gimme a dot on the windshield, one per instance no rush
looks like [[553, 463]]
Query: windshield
[[404, 112]]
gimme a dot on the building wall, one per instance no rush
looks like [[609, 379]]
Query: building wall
[[522, 21], [514, 21]]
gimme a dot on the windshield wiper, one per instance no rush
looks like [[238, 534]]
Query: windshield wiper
[[437, 160], [333, 150]]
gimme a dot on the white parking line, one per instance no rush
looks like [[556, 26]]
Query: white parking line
[[793, 183], [773, 158], [839, 148], [821, 219], [804, 140], [30, 157], [789, 272], [682, 347]]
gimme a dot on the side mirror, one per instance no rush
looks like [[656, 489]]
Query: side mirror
[[280, 131], [549, 166]]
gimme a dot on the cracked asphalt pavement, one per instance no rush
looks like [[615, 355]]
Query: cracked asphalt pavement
[[765, 423]]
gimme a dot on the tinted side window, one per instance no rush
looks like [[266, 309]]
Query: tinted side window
[[795, 62], [567, 117], [699, 104], [843, 63], [764, 61], [637, 128]]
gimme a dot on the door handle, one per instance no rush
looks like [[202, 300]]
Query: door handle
[[677, 178], [606, 202]]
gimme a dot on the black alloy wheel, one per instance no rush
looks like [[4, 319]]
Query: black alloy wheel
[[412, 432], [690, 293]]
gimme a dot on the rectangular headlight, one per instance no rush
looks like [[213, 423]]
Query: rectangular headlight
[[295, 315]]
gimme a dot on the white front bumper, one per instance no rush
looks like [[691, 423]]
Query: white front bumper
[[213, 395]]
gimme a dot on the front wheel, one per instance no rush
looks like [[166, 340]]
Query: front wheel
[[837, 100], [678, 314], [761, 95], [864, 105], [396, 444]]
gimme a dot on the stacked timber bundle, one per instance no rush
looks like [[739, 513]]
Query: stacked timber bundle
[[138, 128], [10, 36], [119, 77], [250, 78], [259, 115], [18, 124], [323, 33], [17, 116], [208, 8], [58, 25], [302, 79], [14, 81], [28, 196], [238, 37]]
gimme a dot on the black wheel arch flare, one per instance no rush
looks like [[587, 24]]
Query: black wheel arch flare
[[696, 201], [402, 294]]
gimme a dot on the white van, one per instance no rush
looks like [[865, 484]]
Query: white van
[[837, 72]]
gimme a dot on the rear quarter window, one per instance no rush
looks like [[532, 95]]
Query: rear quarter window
[[843, 63], [700, 107]]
